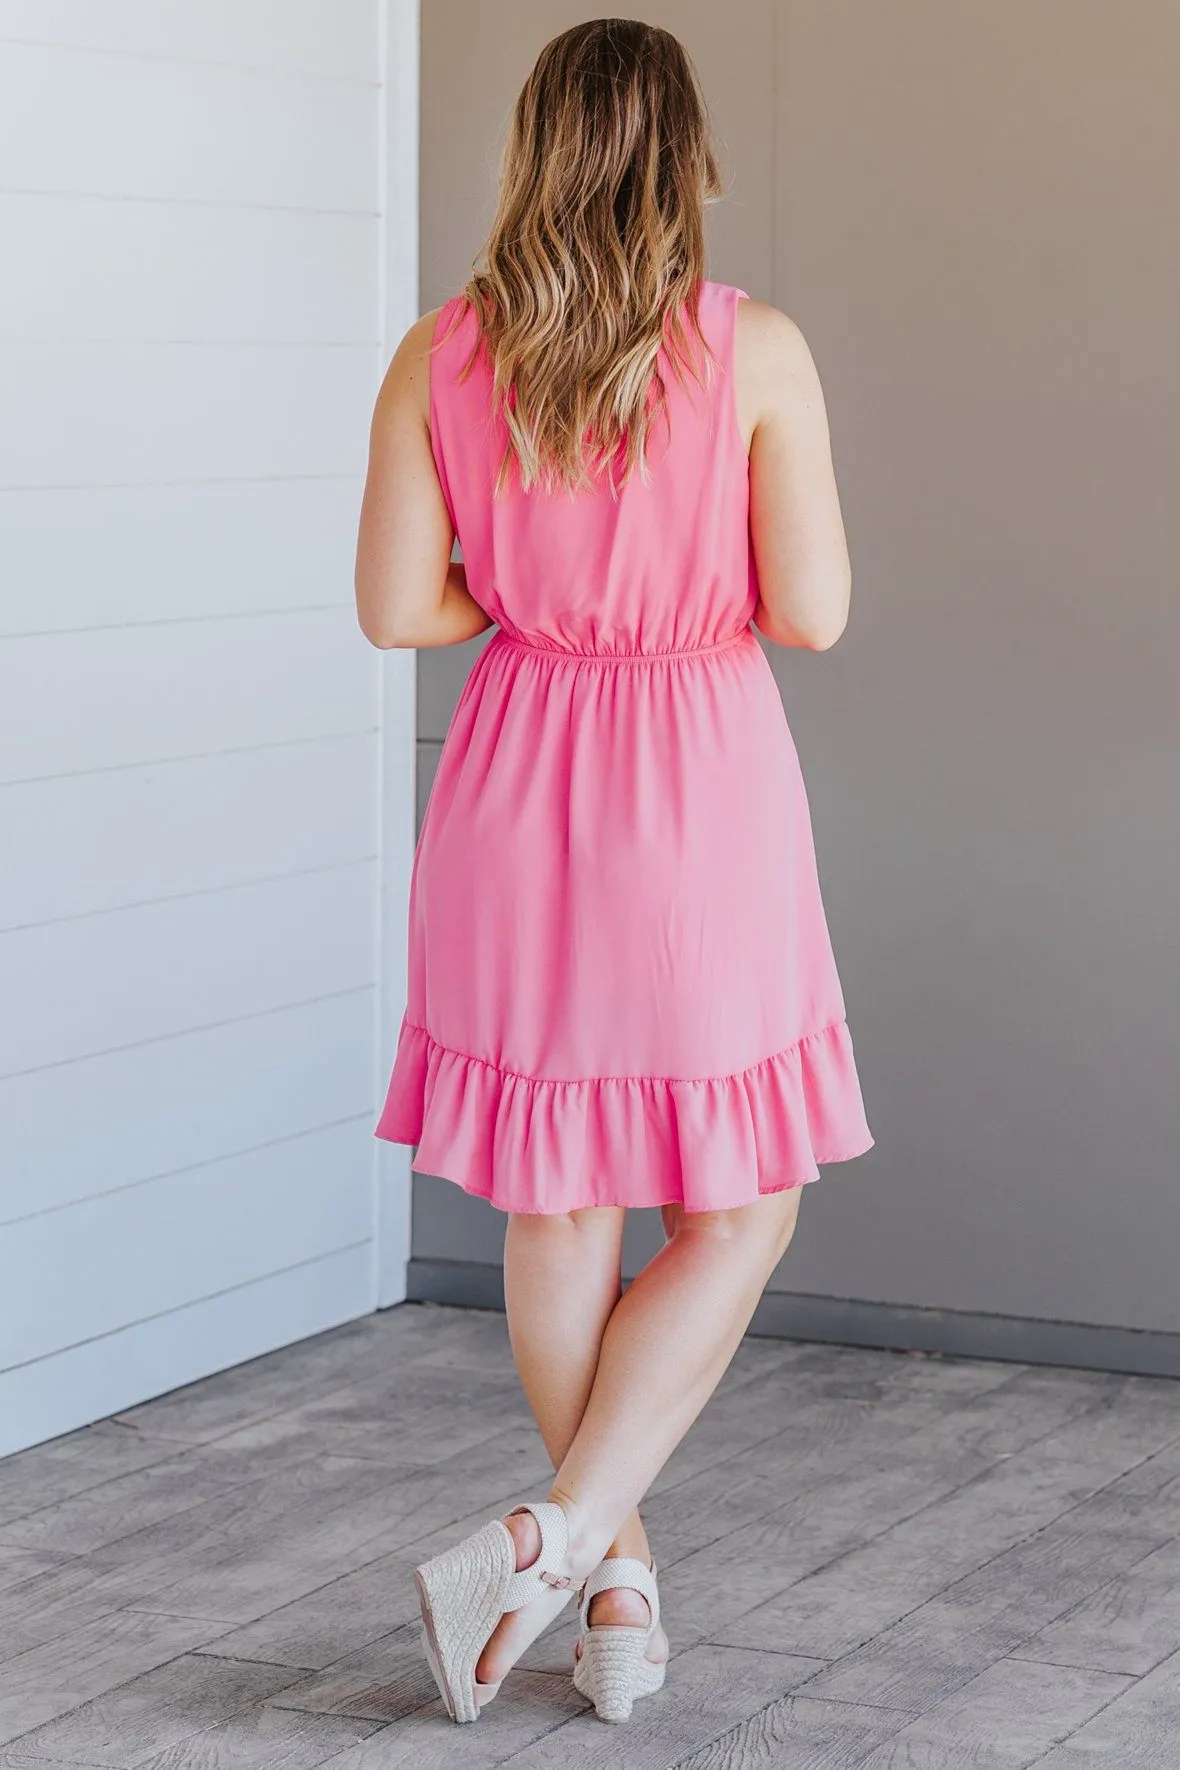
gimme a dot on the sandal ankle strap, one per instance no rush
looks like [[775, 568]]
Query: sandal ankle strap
[[626, 1574], [541, 1575]]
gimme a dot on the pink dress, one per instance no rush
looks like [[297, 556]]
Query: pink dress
[[621, 987]]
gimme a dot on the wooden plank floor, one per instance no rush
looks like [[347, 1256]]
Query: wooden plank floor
[[869, 1561]]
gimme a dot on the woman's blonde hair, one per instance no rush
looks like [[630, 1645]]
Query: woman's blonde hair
[[596, 251]]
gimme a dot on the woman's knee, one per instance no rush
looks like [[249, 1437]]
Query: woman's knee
[[578, 1249], [592, 1225], [764, 1227]]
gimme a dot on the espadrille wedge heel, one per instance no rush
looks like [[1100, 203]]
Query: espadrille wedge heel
[[612, 1667], [465, 1591]]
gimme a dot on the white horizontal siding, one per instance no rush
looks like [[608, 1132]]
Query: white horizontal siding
[[148, 972], [170, 1242], [186, 272], [160, 830], [119, 126], [99, 1123], [102, 1376], [113, 555], [115, 697], [158, 413], [336, 41], [192, 771]]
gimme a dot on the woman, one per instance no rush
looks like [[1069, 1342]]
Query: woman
[[621, 989]]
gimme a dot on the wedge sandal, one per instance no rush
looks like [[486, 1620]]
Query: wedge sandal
[[611, 1666], [465, 1591]]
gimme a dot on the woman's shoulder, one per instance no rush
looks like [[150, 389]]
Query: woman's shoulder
[[770, 336], [408, 380], [769, 339], [776, 372]]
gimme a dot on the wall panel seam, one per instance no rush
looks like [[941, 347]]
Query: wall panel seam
[[184, 1032], [69, 194], [266, 70], [230, 614], [211, 1161], [197, 891], [193, 1303], [21, 487], [72, 774]]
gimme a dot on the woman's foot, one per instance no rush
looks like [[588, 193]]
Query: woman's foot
[[622, 1651], [479, 1588], [518, 1629]]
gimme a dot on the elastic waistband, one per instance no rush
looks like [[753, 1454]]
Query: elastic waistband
[[621, 657]]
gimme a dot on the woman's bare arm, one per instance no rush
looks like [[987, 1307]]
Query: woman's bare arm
[[408, 593], [796, 529]]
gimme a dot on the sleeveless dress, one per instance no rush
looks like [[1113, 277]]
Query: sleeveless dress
[[621, 989]]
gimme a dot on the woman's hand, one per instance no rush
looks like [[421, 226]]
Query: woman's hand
[[408, 592]]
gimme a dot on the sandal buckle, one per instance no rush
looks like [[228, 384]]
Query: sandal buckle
[[560, 1579]]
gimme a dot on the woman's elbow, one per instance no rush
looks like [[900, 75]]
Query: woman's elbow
[[809, 634], [823, 636], [823, 624], [384, 635], [379, 625]]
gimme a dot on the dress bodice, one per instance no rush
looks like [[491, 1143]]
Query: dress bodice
[[663, 567]]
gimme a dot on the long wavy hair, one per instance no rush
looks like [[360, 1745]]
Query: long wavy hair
[[596, 255]]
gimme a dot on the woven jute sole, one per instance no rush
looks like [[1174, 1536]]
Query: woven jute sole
[[613, 1670], [461, 1593]]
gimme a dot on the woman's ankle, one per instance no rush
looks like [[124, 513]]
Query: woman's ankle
[[589, 1539], [630, 1543]]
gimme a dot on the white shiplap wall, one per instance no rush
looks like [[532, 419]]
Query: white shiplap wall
[[205, 783]]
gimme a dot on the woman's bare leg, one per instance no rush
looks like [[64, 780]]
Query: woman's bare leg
[[562, 1280], [663, 1350]]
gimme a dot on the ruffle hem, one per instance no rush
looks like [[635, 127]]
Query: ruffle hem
[[638, 1141]]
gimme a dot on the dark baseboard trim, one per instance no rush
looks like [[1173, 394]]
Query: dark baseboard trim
[[893, 1327], [466, 1283]]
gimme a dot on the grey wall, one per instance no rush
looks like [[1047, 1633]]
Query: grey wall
[[969, 210]]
